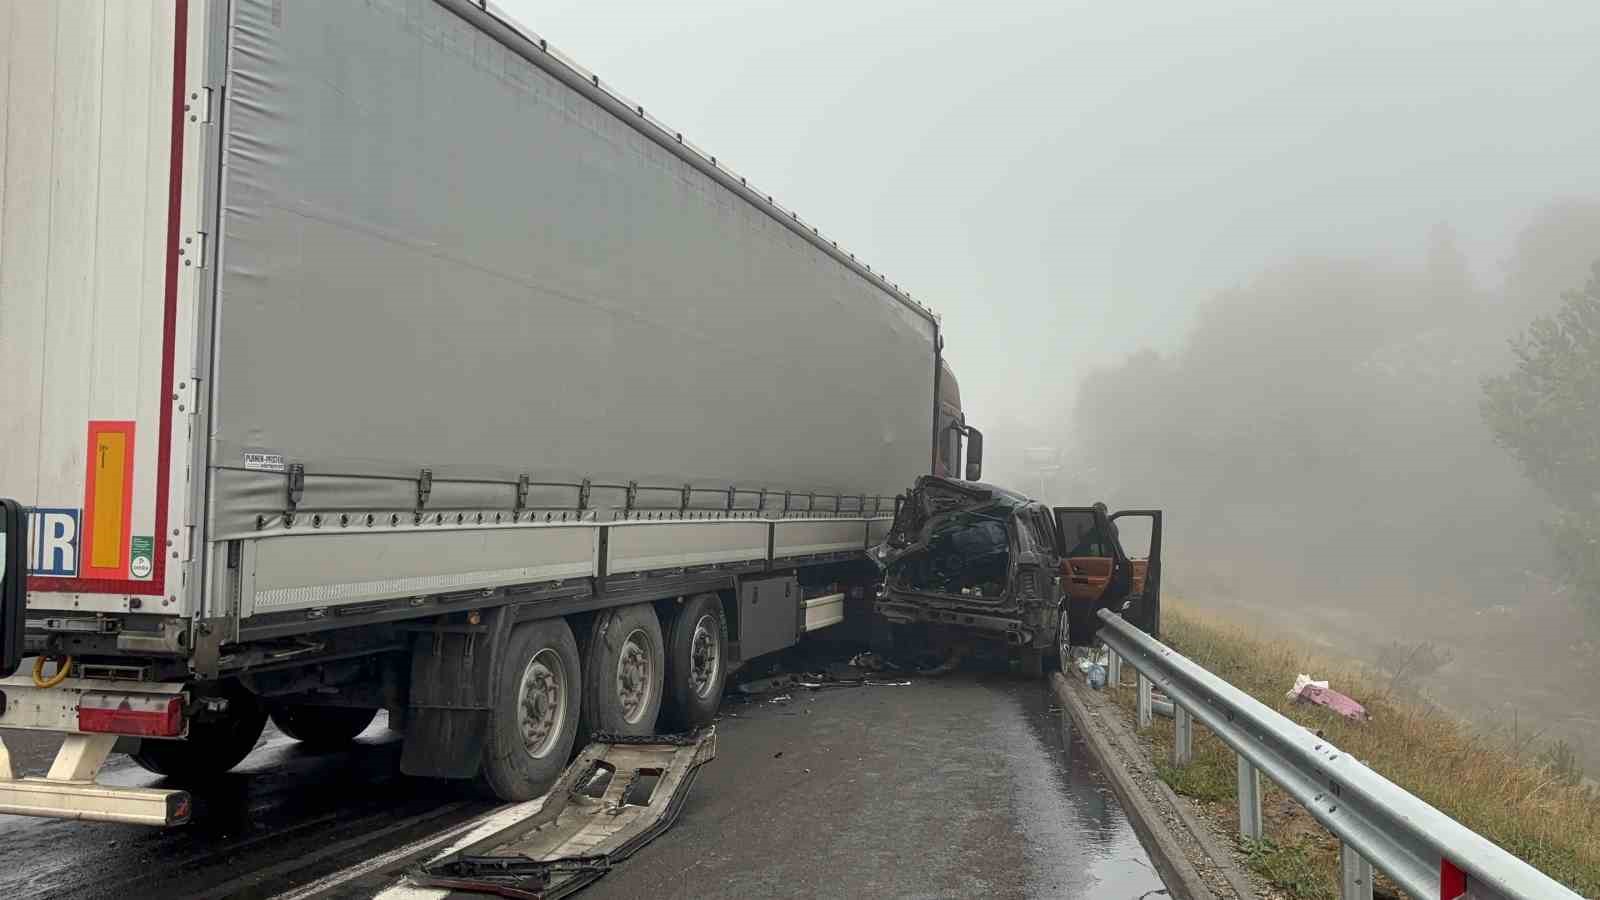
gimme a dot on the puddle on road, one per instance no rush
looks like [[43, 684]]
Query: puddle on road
[[1081, 843]]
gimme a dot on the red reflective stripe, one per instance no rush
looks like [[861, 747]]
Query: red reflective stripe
[[169, 324], [141, 716], [169, 313], [1452, 881]]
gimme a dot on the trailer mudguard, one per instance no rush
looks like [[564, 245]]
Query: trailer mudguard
[[452, 691]]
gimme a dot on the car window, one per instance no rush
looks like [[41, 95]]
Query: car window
[[1081, 534]]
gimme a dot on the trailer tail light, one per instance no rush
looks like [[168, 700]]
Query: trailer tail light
[[140, 715]]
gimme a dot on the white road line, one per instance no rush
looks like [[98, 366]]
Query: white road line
[[465, 833]]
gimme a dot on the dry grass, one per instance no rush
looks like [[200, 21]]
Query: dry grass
[[1499, 785]]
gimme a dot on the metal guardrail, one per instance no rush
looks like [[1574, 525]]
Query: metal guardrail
[[1382, 826]]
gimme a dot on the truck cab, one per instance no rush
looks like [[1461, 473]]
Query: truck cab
[[971, 566], [951, 432]]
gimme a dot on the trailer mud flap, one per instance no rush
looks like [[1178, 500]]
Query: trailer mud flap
[[452, 691], [618, 795]]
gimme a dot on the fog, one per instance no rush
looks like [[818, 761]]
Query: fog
[[1248, 262]]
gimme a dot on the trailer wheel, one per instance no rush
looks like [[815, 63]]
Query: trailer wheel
[[624, 669], [322, 726], [214, 745], [534, 719], [697, 664]]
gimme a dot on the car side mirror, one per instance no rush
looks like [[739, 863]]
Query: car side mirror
[[974, 455]]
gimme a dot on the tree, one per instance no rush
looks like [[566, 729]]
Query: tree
[[1546, 412]]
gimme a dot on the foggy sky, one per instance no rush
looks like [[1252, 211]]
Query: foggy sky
[[1065, 182]]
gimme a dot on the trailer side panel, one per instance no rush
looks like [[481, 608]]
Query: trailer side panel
[[436, 254]]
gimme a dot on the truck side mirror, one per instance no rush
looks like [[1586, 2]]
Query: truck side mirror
[[13, 584], [974, 454]]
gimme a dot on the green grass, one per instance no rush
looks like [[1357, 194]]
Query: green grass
[[1292, 867], [1522, 798]]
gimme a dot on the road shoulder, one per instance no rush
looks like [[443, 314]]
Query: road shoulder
[[1190, 860]]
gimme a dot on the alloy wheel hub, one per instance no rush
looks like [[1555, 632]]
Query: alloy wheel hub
[[634, 676], [704, 658], [541, 703]]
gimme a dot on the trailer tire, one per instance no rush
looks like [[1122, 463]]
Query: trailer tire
[[697, 664], [322, 726], [624, 670], [534, 717], [214, 745]]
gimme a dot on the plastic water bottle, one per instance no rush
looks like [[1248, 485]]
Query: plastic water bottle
[[1097, 676]]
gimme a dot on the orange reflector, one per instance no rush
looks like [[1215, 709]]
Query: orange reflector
[[108, 499]]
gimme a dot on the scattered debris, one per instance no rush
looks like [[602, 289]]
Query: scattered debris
[[1301, 681], [768, 685], [619, 794], [873, 661], [1093, 663], [944, 668], [781, 698], [819, 681], [1308, 691]]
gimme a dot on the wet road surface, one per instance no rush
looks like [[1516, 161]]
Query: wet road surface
[[286, 815], [966, 785]]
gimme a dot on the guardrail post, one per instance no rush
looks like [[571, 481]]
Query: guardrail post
[[1144, 701], [1113, 668], [1355, 874], [1249, 799], [1182, 736]]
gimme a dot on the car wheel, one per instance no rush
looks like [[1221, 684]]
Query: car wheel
[[1064, 641]]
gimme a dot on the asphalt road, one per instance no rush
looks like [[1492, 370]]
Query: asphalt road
[[961, 786], [968, 785]]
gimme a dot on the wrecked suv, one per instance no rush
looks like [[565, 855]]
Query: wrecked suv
[[970, 567]]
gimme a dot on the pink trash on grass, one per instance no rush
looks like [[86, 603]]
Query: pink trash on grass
[[1332, 699]]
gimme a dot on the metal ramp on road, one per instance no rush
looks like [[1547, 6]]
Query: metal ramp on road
[[616, 796]]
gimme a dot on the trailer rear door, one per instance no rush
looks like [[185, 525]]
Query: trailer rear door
[[101, 254]]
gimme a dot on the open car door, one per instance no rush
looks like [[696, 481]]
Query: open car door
[[1144, 593], [1097, 574]]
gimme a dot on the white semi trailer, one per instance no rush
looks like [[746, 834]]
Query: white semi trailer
[[363, 356]]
